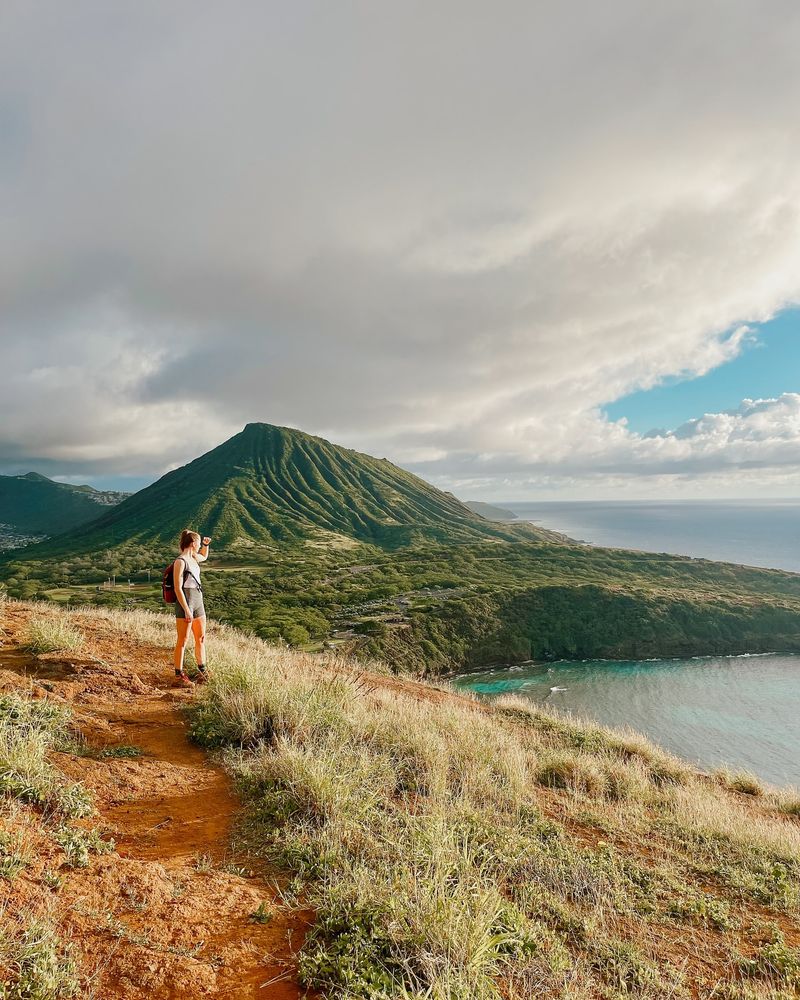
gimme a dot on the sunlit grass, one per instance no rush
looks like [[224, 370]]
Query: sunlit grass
[[29, 731], [417, 831], [51, 633], [458, 850]]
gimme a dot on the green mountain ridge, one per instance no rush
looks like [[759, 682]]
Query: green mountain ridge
[[34, 504], [278, 485], [490, 511]]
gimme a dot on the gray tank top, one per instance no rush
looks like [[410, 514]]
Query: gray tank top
[[191, 574]]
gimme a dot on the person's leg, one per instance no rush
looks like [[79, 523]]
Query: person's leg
[[199, 632], [182, 627]]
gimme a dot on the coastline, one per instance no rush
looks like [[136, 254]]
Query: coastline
[[721, 712]]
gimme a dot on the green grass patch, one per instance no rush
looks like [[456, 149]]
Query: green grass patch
[[39, 966], [122, 751], [79, 844], [29, 730]]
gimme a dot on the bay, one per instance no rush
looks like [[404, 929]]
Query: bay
[[736, 711]]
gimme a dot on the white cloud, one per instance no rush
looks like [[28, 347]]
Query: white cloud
[[750, 451], [447, 234]]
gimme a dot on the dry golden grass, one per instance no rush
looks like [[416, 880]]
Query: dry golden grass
[[419, 833], [51, 632]]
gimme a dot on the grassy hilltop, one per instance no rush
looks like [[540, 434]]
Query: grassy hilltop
[[323, 546], [423, 844]]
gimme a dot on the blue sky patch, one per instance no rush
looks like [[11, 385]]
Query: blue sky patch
[[763, 370]]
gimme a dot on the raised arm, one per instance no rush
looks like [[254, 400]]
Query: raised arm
[[202, 555]]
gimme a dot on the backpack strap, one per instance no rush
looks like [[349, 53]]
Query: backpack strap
[[188, 572]]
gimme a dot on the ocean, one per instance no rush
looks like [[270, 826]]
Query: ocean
[[737, 711], [756, 533]]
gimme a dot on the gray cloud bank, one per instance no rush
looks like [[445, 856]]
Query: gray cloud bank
[[447, 233]]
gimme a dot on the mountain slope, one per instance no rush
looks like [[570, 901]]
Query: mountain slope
[[35, 504], [276, 484]]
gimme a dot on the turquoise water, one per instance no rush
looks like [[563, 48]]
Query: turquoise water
[[740, 711]]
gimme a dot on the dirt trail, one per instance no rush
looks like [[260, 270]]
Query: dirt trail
[[169, 914], [197, 820]]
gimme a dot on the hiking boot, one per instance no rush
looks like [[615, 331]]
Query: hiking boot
[[201, 677], [183, 680]]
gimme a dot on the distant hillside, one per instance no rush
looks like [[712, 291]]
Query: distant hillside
[[278, 485], [35, 505], [489, 512]]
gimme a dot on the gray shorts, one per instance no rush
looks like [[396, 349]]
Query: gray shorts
[[194, 598]]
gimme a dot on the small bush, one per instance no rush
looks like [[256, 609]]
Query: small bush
[[571, 773], [53, 635], [625, 781], [78, 844], [740, 781], [72, 801], [52, 879], [624, 968], [262, 915], [348, 950], [791, 807], [40, 968], [13, 856], [775, 962], [699, 907], [29, 729]]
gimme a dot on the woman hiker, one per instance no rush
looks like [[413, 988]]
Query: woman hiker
[[189, 609]]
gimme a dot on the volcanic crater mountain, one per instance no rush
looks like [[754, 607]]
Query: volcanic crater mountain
[[274, 484]]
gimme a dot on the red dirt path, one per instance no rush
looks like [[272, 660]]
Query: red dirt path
[[161, 917]]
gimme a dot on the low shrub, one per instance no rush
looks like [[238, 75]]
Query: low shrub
[[29, 730], [349, 951], [775, 962], [623, 967], [52, 635], [77, 844], [39, 966], [701, 908], [571, 773], [14, 853], [740, 781]]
